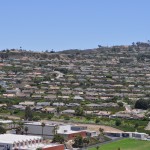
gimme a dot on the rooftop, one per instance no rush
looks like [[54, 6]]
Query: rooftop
[[14, 138]]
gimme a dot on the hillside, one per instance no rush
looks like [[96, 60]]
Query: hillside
[[120, 72]]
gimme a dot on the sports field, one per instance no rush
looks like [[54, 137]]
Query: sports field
[[125, 144]]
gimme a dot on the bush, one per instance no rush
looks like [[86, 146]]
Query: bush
[[142, 104], [118, 123], [16, 111], [88, 117], [58, 138], [66, 117], [2, 130], [97, 120], [120, 104], [50, 116], [36, 118]]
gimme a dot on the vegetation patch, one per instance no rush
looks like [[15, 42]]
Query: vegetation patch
[[125, 144]]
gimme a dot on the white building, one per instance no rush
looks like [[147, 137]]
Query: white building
[[25, 142]]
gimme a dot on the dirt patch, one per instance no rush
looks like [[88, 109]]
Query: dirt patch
[[91, 127], [96, 127]]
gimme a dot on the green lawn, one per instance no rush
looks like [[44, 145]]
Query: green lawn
[[126, 144]]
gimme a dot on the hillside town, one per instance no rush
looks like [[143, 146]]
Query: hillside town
[[74, 98]]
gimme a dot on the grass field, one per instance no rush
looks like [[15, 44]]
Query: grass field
[[126, 144]]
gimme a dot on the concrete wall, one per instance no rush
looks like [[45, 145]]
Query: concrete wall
[[48, 131]]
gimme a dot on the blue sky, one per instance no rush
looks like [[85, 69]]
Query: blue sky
[[69, 24]]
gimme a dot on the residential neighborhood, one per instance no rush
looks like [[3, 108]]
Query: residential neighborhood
[[52, 100]]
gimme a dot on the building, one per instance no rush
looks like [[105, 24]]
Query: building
[[134, 135], [35, 128], [6, 123], [26, 142], [69, 134]]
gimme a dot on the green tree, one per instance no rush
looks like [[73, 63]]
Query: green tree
[[136, 126], [88, 117], [26, 129], [97, 120], [28, 113], [97, 147], [39, 148], [120, 104], [50, 116], [142, 104], [79, 111], [58, 110], [19, 128], [78, 141], [36, 118], [55, 129], [86, 141], [43, 125], [101, 130], [2, 130], [66, 117], [118, 123], [58, 138]]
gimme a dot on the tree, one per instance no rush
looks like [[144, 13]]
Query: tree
[[28, 113], [88, 116], [58, 138], [101, 130], [26, 129], [58, 110], [14, 123], [136, 126], [55, 130], [66, 117], [78, 141], [142, 104], [97, 120], [118, 123], [86, 141], [99, 46], [2, 130], [39, 148], [36, 118], [120, 104], [19, 128], [43, 125], [79, 111], [50, 116]]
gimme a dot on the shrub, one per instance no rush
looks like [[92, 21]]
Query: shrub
[[118, 123], [36, 118]]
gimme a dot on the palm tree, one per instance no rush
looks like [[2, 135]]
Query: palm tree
[[14, 123], [19, 127], [43, 125], [26, 129], [55, 130], [101, 130]]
